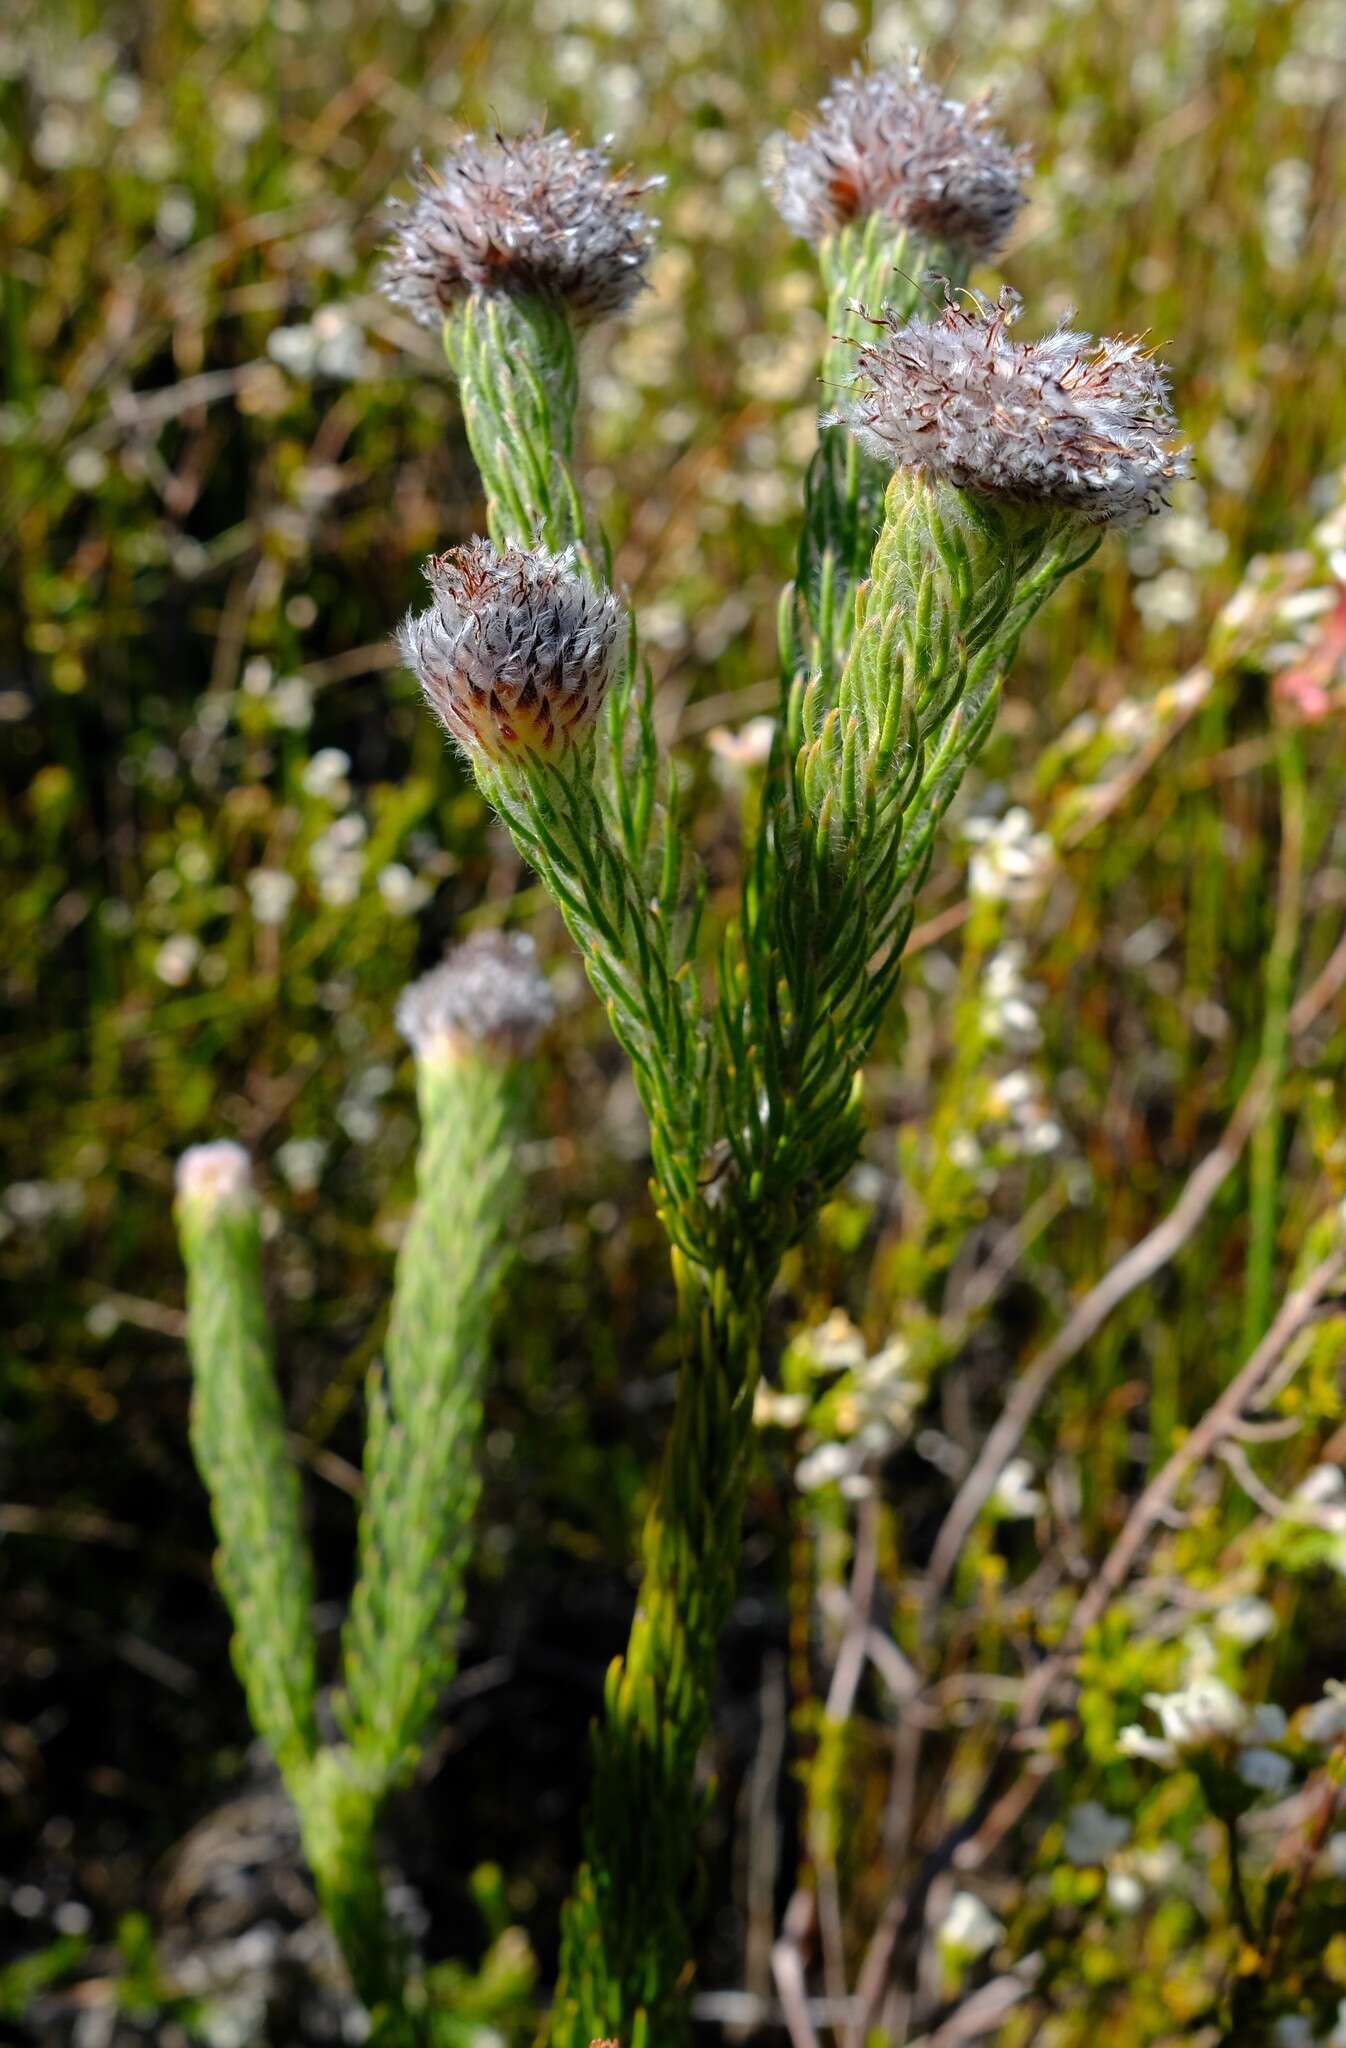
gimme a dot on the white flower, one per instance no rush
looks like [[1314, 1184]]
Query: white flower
[[271, 892], [736, 752], [1336, 1854], [1092, 1833], [1324, 1484], [1325, 1720], [402, 891], [836, 1344], [300, 1162], [325, 775], [969, 1928], [1246, 1620], [1015, 1498], [1134, 1741], [176, 959], [1265, 1770], [1203, 1712], [1268, 1724], [1013, 863], [1292, 2030], [823, 1467], [292, 704], [770, 1406], [1125, 1891]]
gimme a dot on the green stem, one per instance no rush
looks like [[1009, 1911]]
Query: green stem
[[626, 1930], [1265, 1150]]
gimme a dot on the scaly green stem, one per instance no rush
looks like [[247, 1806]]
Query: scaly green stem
[[626, 1930]]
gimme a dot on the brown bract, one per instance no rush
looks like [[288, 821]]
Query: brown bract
[[889, 143], [535, 214], [1081, 425]]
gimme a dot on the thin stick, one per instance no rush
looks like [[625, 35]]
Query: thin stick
[[1138, 1265]]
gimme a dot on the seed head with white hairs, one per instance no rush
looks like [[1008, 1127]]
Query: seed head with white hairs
[[1067, 422], [516, 651], [487, 993], [530, 215], [216, 1175], [888, 143]]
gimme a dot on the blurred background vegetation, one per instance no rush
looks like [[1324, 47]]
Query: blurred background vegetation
[[229, 836]]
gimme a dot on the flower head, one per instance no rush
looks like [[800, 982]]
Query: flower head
[[889, 143], [487, 992], [217, 1175], [1067, 422], [534, 214], [516, 651]]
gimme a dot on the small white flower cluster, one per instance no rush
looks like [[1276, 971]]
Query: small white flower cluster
[[271, 892], [969, 1929], [871, 1407], [1015, 1498], [331, 344], [325, 776], [288, 699], [337, 859], [1009, 1013], [1206, 1714], [34, 1204], [300, 1163], [1170, 555], [1012, 863], [1030, 1130], [358, 1111]]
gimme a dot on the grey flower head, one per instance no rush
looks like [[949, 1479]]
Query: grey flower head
[[1082, 425], [488, 992], [889, 143], [535, 214], [218, 1175], [516, 651]]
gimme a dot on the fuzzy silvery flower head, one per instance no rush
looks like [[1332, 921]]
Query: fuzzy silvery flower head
[[888, 143], [216, 1176], [1065, 423], [516, 651], [488, 992], [535, 215]]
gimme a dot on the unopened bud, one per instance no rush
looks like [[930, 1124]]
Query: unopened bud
[[516, 651]]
